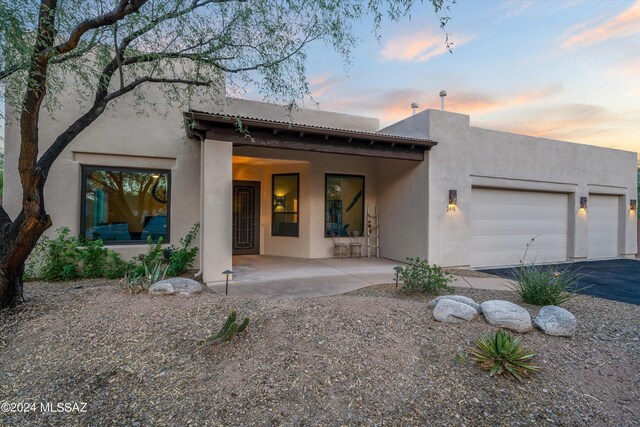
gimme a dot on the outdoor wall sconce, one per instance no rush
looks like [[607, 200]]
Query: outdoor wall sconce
[[226, 286], [583, 203], [453, 200], [279, 201], [633, 205]]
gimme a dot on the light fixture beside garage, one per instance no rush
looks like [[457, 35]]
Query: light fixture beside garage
[[633, 205], [453, 200], [583, 203]]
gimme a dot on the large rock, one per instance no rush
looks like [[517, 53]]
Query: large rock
[[508, 315], [554, 320], [176, 285], [459, 298], [450, 311]]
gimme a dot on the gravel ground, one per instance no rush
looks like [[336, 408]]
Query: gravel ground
[[371, 357]]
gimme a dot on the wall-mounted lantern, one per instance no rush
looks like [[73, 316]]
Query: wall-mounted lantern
[[583, 203], [453, 200], [633, 205]]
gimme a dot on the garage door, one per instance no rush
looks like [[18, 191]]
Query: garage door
[[504, 221], [603, 213]]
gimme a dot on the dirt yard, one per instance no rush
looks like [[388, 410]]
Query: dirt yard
[[372, 357]]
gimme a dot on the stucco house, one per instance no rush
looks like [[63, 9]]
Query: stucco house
[[444, 190]]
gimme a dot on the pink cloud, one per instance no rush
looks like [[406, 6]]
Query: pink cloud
[[623, 25], [418, 47]]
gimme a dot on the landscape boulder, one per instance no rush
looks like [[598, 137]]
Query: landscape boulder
[[508, 315], [458, 298], [554, 320], [450, 311], [176, 285]]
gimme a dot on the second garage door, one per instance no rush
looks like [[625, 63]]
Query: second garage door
[[603, 219], [504, 221]]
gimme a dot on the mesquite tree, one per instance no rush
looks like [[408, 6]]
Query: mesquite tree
[[104, 49]]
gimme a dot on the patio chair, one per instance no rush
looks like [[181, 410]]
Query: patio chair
[[355, 246], [339, 248]]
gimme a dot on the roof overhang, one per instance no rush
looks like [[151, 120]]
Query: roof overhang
[[294, 136]]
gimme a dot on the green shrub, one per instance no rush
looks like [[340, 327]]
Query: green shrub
[[178, 258], [66, 257], [181, 257], [56, 258], [419, 276], [502, 354], [544, 285]]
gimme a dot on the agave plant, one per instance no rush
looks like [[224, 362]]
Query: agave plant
[[141, 283], [501, 353]]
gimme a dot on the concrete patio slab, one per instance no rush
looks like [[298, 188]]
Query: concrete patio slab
[[264, 276]]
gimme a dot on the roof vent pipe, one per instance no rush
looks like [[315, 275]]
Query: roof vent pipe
[[414, 107], [443, 94]]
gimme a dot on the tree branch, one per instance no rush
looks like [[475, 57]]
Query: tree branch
[[147, 79], [61, 142]]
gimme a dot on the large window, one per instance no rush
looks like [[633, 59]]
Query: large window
[[125, 205], [344, 204], [285, 205]]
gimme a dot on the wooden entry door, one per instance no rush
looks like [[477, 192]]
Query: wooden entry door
[[246, 217]]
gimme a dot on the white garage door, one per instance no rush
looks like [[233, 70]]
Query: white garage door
[[603, 213], [504, 221]]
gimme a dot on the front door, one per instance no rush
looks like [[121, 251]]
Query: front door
[[246, 217]]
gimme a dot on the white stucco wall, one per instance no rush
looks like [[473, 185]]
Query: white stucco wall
[[147, 136], [468, 156], [153, 136]]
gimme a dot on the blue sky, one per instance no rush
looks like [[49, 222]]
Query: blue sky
[[559, 69]]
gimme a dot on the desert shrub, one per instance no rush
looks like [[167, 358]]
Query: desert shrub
[[181, 257], [55, 259], [544, 284], [419, 276], [503, 354], [178, 259], [154, 255], [141, 283], [66, 257]]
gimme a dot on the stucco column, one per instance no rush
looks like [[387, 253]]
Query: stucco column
[[217, 207]]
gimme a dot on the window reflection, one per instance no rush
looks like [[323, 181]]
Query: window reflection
[[125, 205], [285, 205], [344, 204]]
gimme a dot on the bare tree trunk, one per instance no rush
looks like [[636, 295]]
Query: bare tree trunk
[[17, 240]]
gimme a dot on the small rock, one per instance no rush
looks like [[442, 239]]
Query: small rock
[[554, 320], [458, 298], [450, 311], [176, 285], [508, 315]]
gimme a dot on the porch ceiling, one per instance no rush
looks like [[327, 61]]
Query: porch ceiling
[[294, 136]]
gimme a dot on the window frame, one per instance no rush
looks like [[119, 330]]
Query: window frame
[[273, 214], [86, 169], [347, 175]]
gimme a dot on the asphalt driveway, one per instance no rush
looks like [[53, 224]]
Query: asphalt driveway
[[617, 280]]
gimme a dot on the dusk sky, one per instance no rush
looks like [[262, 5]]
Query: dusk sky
[[562, 69]]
